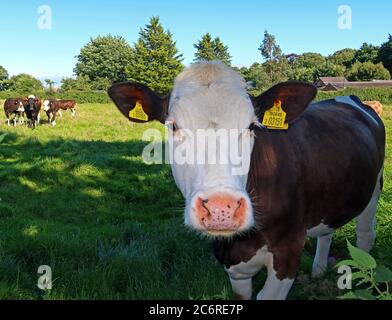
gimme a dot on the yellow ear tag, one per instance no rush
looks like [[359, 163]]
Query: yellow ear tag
[[275, 117], [138, 113]]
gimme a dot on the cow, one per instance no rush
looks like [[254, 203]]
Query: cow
[[375, 105], [32, 106], [14, 106], [308, 175], [52, 107]]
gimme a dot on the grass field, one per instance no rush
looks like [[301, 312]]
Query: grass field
[[78, 198]]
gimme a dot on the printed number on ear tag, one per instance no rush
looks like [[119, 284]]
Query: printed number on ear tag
[[138, 113], [275, 117]]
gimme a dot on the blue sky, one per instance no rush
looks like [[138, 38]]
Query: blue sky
[[299, 26]]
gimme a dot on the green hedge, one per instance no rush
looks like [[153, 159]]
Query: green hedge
[[384, 95], [80, 97]]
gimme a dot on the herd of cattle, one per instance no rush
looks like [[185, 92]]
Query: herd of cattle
[[27, 110]]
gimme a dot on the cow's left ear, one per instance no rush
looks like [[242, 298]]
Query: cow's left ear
[[139, 103], [295, 97]]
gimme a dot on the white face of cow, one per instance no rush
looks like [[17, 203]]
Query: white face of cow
[[211, 100], [20, 107], [46, 105]]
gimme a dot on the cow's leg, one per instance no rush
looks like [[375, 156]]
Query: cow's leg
[[242, 288], [14, 119], [282, 263], [73, 110], [241, 274], [366, 221], [8, 118], [320, 261], [60, 113], [39, 118], [274, 288], [54, 119]]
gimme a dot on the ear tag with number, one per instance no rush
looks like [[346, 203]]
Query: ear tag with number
[[275, 117], [138, 113]]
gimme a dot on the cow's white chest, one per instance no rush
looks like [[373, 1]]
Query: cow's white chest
[[251, 267]]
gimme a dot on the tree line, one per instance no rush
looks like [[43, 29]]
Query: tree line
[[154, 60]]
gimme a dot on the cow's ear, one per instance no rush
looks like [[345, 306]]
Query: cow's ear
[[295, 97], [139, 103]]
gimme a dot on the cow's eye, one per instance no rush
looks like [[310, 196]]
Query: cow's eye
[[175, 127], [253, 126]]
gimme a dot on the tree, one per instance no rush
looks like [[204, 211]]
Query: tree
[[310, 60], [258, 75], [343, 57], [81, 83], [299, 73], [101, 84], [367, 71], [209, 49], [328, 69], [104, 57], [275, 64], [3, 79], [155, 61], [50, 84], [385, 54], [367, 53], [25, 84], [269, 49], [305, 67]]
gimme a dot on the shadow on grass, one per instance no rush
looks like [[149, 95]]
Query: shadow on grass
[[108, 224]]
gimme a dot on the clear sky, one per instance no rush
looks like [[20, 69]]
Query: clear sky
[[299, 26]]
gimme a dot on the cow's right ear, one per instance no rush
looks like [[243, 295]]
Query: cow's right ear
[[139, 103]]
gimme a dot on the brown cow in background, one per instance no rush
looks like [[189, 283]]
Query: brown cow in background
[[375, 105], [52, 107], [14, 106]]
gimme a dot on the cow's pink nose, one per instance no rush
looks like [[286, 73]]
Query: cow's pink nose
[[221, 212]]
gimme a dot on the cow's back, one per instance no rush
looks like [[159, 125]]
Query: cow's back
[[322, 170], [9, 104]]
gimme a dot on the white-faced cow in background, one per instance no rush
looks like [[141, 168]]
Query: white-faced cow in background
[[308, 180], [54, 107]]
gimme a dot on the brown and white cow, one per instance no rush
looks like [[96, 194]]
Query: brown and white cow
[[375, 105], [14, 106], [52, 107], [308, 180]]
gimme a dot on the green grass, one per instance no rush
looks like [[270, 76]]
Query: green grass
[[78, 198]]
